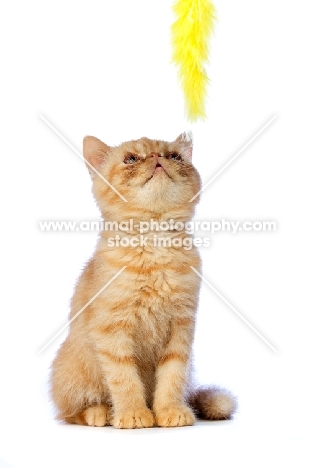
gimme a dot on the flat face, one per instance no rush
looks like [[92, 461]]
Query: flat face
[[148, 173]]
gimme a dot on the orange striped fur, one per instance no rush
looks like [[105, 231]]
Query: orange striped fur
[[127, 358]]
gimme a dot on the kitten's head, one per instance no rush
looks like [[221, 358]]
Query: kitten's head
[[155, 177]]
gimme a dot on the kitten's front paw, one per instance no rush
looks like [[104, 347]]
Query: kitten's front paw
[[177, 416], [134, 419]]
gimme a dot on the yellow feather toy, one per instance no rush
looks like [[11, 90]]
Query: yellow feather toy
[[190, 35]]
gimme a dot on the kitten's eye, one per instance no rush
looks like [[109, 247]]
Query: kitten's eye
[[174, 156], [130, 159]]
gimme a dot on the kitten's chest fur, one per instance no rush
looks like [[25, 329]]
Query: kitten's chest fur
[[151, 333], [154, 290], [151, 311]]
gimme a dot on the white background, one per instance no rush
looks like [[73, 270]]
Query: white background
[[103, 68]]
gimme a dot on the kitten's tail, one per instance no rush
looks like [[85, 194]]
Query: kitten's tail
[[213, 403]]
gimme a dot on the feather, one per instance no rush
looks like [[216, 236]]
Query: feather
[[190, 34]]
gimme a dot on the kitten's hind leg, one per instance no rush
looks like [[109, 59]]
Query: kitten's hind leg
[[77, 386], [98, 416]]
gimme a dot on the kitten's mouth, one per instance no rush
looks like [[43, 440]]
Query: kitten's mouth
[[158, 169]]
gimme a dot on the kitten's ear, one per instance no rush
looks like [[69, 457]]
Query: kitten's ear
[[94, 152], [186, 141]]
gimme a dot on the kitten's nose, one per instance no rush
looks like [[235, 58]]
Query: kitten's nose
[[155, 156]]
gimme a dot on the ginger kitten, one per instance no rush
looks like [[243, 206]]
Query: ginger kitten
[[127, 359]]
